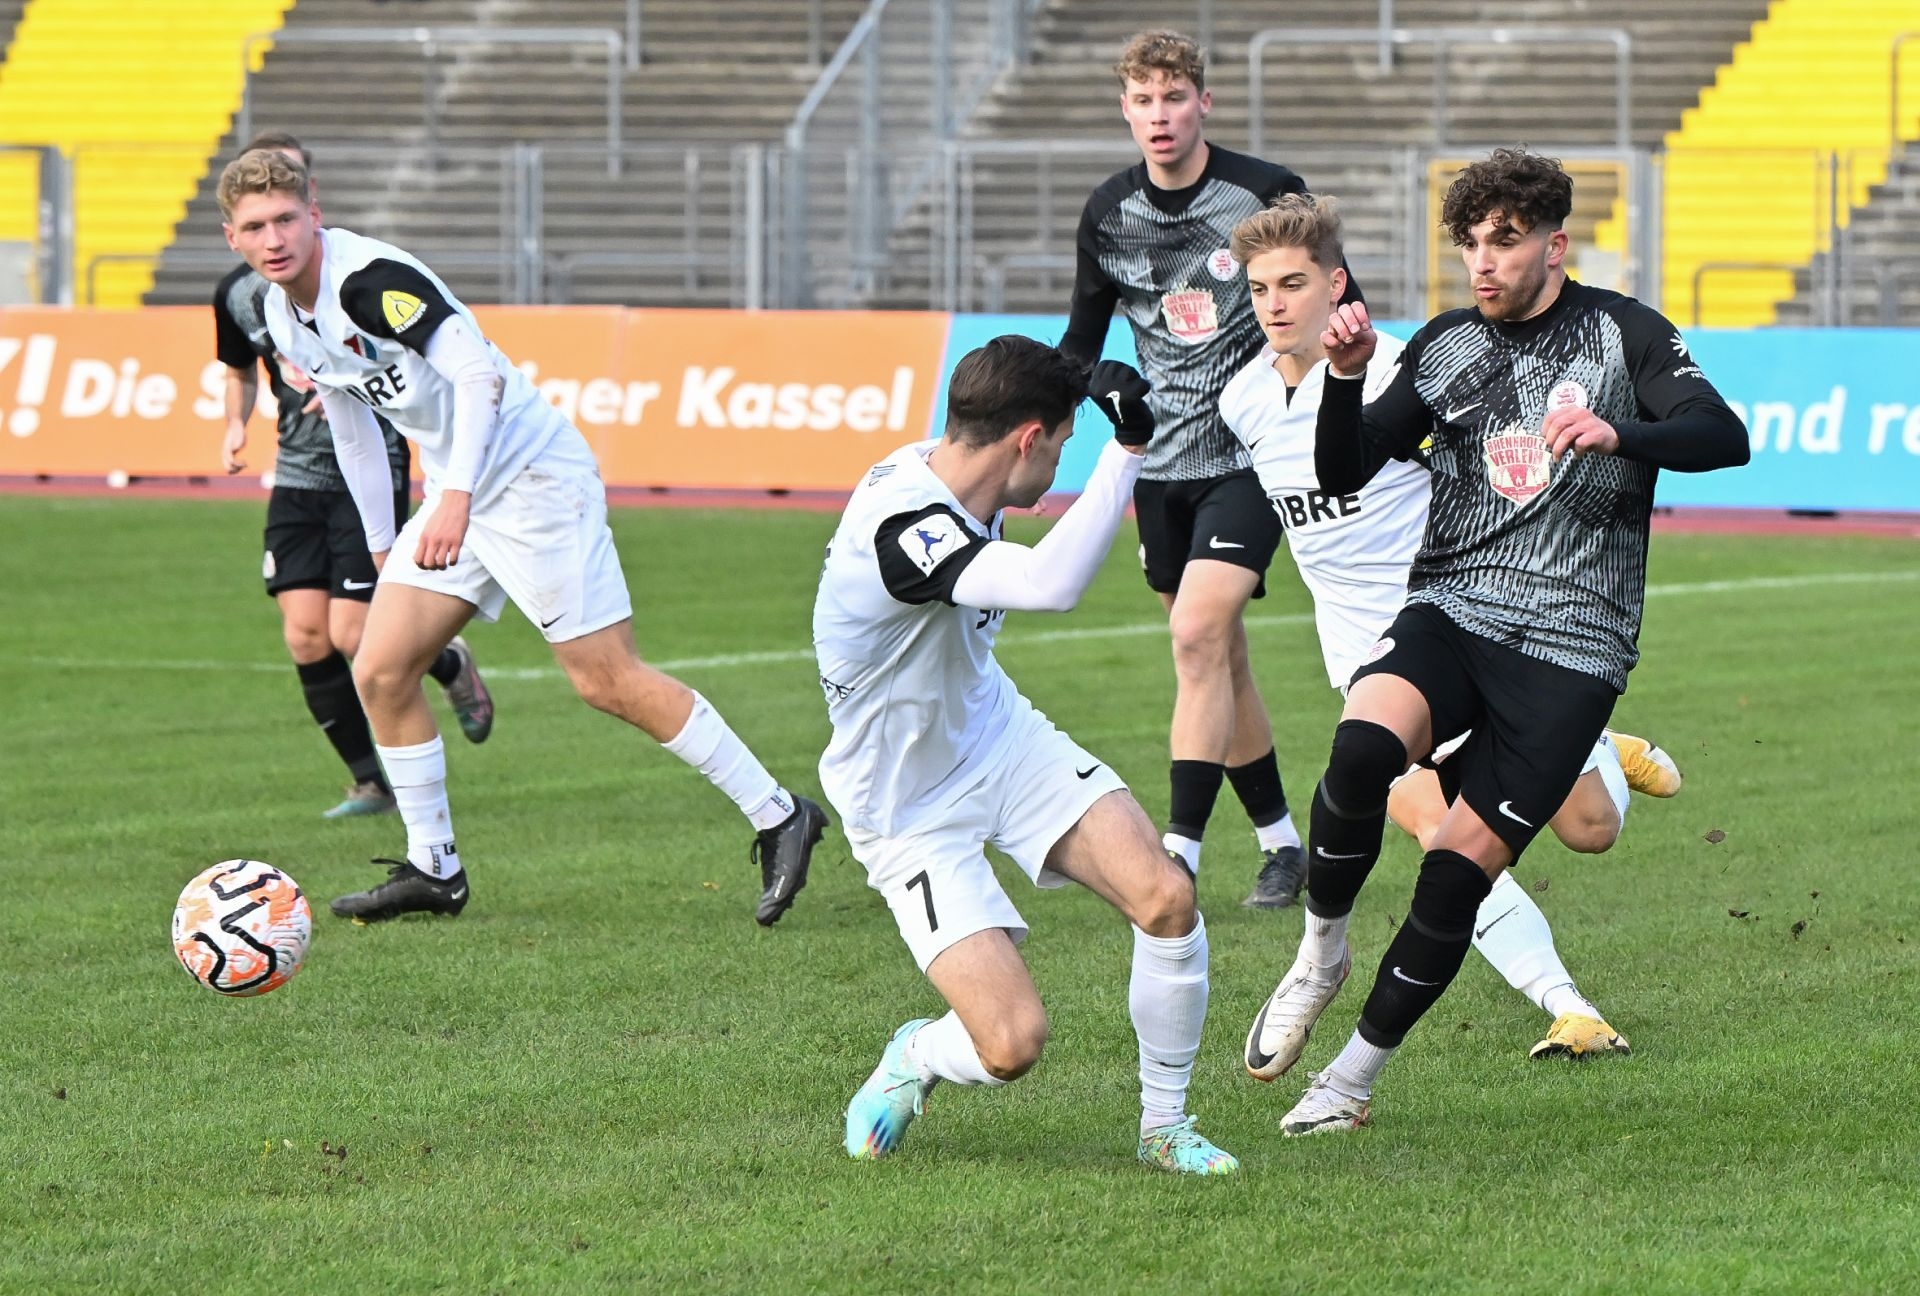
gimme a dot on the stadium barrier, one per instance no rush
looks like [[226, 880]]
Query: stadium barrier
[[806, 401]]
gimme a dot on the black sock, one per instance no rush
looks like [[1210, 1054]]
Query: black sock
[[445, 667], [1426, 953], [1340, 854], [1257, 784], [1196, 786], [328, 684]]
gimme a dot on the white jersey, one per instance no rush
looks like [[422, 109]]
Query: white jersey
[[367, 337], [916, 698], [1353, 551]]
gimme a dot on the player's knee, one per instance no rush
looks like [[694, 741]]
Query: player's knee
[[1365, 761], [1011, 1046], [598, 689], [1202, 642], [346, 639], [1414, 806], [1587, 830], [1447, 895], [1167, 909], [306, 643], [379, 680]]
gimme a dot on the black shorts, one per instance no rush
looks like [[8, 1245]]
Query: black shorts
[[1534, 724], [1228, 519], [315, 540]]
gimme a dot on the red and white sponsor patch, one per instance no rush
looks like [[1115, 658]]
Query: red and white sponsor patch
[[1568, 393], [1221, 264], [1191, 316], [1517, 465]]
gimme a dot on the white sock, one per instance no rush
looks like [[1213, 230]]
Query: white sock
[[943, 1050], [1358, 1066], [1280, 832], [1613, 776], [418, 776], [706, 743], [1323, 941], [1167, 994], [1187, 848], [1512, 934]]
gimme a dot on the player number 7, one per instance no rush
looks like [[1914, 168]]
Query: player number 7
[[926, 893]]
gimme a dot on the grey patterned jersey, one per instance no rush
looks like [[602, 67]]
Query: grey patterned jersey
[[305, 460], [1161, 255], [1546, 558]]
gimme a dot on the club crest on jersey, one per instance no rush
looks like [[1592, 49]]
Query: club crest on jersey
[[1379, 650], [931, 541], [1222, 266], [1191, 316], [1517, 464], [1568, 393], [401, 309]]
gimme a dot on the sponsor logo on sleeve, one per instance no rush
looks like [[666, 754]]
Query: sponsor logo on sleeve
[[931, 541], [401, 309]]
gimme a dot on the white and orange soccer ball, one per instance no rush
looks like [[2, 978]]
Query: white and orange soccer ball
[[242, 928]]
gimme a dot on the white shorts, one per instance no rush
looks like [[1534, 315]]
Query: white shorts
[[541, 541], [1038, 784]]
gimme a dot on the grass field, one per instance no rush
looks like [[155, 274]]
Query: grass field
[[605, 1077]]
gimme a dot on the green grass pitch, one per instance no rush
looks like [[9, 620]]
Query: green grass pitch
[[605, 1077]]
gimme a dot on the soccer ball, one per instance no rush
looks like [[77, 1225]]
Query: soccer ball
[[242, 928]]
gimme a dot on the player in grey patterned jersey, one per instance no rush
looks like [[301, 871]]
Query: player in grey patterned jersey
[[1153, 241], [1551, 407], [316, 564]]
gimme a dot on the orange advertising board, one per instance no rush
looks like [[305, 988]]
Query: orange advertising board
[[727, 399]]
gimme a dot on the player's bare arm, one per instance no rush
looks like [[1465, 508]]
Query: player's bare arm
[[242, 390]]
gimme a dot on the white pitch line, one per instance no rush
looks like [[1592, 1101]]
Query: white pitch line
[[1014, 638]]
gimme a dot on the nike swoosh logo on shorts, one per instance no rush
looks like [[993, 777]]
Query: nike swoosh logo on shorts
[[1489, 927], [1506, 808], [356, 585], [545, 624], [1217, 543], [1411, 980]]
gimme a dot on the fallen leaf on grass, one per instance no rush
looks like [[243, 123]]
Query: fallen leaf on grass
[[1541, 885], [1715, 836], [1737, 913], [709, 886], [1797, 928]]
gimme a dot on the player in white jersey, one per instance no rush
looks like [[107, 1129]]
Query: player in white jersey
[[514, 510], [935, 753], [1353, 552]]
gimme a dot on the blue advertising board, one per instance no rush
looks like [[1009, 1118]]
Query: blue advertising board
[[1833, 414]]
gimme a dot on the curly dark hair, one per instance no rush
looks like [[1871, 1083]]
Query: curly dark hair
[[1530, 190]]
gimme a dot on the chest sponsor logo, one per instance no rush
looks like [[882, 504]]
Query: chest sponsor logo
[[400, 309], [930, 541], [1222, 266], [382, 388], [1568, 394], [1517, 464], [1191, 316], [1302, 509]]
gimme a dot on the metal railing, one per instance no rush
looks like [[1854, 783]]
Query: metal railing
[[430, 40], [945, 54], [1443, 39]]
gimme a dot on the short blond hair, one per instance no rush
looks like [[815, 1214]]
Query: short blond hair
[[1293, 220], [1162, 52], [259, 171]]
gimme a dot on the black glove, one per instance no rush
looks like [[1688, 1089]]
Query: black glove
[[1121, 393]]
